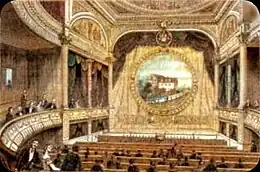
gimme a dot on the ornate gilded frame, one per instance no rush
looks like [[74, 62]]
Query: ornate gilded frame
[[168, 108]]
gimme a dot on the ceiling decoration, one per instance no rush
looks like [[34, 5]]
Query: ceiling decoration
[[137, 10], [90, 30], [55, 9]]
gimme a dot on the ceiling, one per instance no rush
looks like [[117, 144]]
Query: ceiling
[[15, 33], [182, 10]]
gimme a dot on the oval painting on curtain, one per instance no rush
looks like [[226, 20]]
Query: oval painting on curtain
[[162, 79]]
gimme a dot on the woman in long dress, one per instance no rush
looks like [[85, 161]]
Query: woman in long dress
[[47, 162]]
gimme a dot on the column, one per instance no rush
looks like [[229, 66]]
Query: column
[[89, 127], [216, 91], [229, 84], [110, 61], [89, 62], [227, 130]]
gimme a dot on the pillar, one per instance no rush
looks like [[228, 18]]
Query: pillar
[[243, 81], [227, 129], [216, 91], [89, 62], [229, 73], [89, 127], [110, 61]]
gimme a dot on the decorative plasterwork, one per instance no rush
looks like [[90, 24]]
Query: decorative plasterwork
[[228, 28], [252, 118], [118, 32], [200, 12], [166, 108], [231, 46], [34, 16]]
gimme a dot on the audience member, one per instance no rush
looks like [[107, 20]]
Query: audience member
[[199, 157], [52, 105], [97, 166], [180, 154], [161, 154], [72, 103], [239, 164], [19, 111], [171, 166], [211, 166], [29, 159], [185, 163], [138, 154], [118, 163], [24, 99], [72, 160], [58, 160], [222, 163], [31, 108], [128, 154], [102, 164], [172, 152], [253, 147], [111, 164], [47, 163], [256, 104], [154, 155], [132, 167], [178, 162], [193, 155], [116, 153], [152, 167], [163, 161], [87, 153], [122, 153], [9, 115]]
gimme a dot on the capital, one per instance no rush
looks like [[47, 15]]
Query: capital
[[242, 37], [110, 60], [65, 39]]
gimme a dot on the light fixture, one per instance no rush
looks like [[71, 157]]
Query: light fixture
[[164, 37]]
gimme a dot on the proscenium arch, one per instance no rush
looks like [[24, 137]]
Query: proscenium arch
[[212, 38], [90, 16]]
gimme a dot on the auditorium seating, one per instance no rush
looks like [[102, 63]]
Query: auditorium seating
[[104, 151]]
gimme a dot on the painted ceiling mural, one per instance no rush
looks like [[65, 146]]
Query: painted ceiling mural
[[90, 30]]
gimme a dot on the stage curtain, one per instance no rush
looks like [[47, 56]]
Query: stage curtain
[[129, 117]]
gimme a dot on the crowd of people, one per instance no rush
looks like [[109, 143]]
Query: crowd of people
[[28, 107], [114, 162], [30, 159]]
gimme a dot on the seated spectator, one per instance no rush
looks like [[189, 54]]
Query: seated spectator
[[239, 164], [161, 154], [163, 161], [178, 162], [116, 153], [97, 166], [180, 154], [19, 111], [172, 152], [87, 153], [222, 164], [122, 152], [31, 108], [52, 105], [199, 157], [95, 153], [72, 103], [138, 154], [171, 166], [24, 100], [132, 167], [102, 164], [152, 167], [111, 164], [118, 163], [154, 155], [43, 102], [185, 163], [128, 154], [72, 160], [253, 147], [193, 155], [211, 166], [256, 104], [9, 115], [58, 160]]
